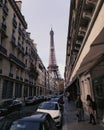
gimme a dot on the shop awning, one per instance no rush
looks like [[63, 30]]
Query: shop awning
[[95, 53]]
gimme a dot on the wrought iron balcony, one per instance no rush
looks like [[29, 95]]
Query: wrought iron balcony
[[13, 41], [14, 23], [19, 44], [16, 61], [21, 48], [10, 75], [20, 31], [5, 9], [3, 50], [3, 30]]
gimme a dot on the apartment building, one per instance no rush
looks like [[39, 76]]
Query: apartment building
[[22, 72], [84, 70], [12, 50]]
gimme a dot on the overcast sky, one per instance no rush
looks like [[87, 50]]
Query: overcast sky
[[40, 16]]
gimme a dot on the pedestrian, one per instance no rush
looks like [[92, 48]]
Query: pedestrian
[[91, 109], [80, 110]]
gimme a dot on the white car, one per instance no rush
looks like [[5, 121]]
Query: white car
[[53, 109]]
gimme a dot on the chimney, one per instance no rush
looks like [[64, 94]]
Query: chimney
[[19, 4]]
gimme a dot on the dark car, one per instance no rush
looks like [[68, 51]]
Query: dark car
[[38, 121], [31, 100], [15, 105], [4, 107], [9, 106]]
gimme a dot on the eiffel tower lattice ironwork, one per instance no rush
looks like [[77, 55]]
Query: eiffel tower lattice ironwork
[[53, 67]]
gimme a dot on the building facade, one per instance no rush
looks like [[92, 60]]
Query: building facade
[[84, 70], [22, 72]]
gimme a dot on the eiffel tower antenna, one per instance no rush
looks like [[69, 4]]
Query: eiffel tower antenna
[[53, 67]]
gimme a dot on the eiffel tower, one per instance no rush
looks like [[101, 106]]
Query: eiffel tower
[[53, 67]]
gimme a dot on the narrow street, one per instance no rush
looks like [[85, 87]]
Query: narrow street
[[70, 121], [69, 118]]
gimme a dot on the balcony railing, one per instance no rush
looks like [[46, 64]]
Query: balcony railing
[[3, 27], [21, 49], [10, 75], [3, 50], [13, 41], [3, 30], [19, 44], [20, 31], [14, 23], [16, 61]]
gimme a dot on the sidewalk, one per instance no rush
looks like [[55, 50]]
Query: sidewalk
[[70, 120]]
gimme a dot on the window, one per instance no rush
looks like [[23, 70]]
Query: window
[[18, 90], [11, 68], [30, 91], [26, 62], [25, 91], [7, 91]]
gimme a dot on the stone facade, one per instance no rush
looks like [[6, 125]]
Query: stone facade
[[85, 50], [22, 72]]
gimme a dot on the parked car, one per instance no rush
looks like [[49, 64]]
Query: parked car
[[60, 101], [38, 121], [15, 105], [53, 109], [31, 100], [9, 106], [3, 111]]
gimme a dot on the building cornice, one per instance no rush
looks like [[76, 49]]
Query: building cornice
[[18, 12]]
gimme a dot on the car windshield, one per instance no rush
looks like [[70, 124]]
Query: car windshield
[[24, 125], [48, 106]]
